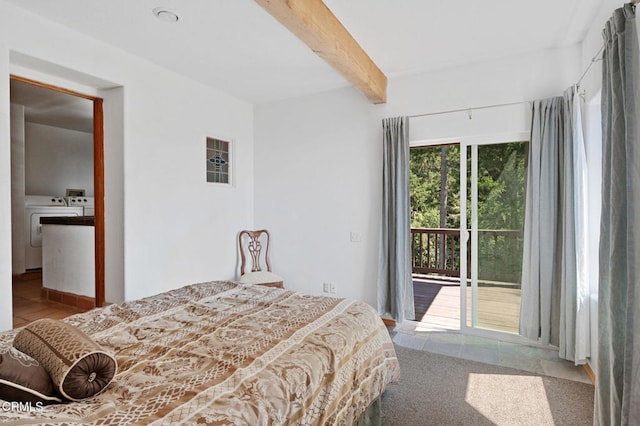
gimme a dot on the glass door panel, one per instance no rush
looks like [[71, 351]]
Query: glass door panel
[[496, 182]]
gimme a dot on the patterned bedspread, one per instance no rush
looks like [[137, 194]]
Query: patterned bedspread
[[223, 353]]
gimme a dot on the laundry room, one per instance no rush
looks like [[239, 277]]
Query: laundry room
[[52, 180]]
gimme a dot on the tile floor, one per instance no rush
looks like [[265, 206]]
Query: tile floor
[[29, 306], [453, 343]]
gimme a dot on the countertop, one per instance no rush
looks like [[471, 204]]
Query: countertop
[[68, 220]]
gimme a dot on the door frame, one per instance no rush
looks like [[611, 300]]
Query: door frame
[[98, 179], [464, 142]]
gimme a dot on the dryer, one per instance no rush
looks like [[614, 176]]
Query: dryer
[[87, 203], [35, 207]]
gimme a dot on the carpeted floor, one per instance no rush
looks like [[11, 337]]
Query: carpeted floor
[[440, 390]]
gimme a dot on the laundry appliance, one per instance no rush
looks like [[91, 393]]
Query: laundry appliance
[[35, 207], [87, 204]]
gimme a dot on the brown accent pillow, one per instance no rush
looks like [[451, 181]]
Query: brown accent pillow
[[78, 366], [23, 379]]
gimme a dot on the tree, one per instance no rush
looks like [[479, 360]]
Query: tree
[[444, 185], [435, 199], [435, 187]]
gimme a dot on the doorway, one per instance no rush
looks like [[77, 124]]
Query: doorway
[[435, 233], [467, 215], [48, 114]]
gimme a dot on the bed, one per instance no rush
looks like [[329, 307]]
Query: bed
[[225, 353]]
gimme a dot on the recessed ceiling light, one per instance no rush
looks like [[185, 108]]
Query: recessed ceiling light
[[165, 15]]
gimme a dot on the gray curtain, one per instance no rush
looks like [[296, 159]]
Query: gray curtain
[[540, 308], [618, 371], [395, 288], [555, 283]]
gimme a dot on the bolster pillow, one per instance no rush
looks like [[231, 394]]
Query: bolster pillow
[[78, 366]]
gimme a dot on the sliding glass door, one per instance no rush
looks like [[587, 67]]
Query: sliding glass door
[[493, 172]]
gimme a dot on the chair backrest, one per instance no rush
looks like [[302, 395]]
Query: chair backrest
[[252, 243]]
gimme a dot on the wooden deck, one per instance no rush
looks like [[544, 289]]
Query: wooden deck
[[437, 304]]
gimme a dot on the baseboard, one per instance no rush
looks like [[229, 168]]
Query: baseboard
[[590, 373], [69, 299], [32, 274], [389, 322]]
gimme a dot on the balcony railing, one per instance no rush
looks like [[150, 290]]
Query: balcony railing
[[437, 251]]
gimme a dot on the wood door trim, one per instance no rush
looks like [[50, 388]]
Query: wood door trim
[[52, 87], [98, 178], [98, 189]]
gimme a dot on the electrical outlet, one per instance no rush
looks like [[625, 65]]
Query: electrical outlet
[[355, 237], [329, 288]]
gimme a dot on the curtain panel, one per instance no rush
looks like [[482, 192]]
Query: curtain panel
[[395, 288], [555, 282], [539, 302], [574, 335], [618, 370]]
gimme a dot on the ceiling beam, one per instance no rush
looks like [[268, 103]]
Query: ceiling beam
[[313, 23]]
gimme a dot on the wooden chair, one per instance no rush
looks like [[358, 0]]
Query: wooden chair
[[251, 245]]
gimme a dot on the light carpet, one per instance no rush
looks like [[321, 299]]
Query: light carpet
[[440, 390]]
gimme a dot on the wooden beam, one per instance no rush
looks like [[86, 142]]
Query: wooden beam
[[313, 23]]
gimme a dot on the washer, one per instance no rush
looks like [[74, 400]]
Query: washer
[[87, 203], [35, 207]]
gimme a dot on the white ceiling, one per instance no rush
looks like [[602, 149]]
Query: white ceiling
[[237, 47], [52, 108]]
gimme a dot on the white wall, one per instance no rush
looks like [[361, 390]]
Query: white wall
[[318, 159], [591, 45], [57, 159], [175, 228], [113, 112], [317, 180], [17, 188], [5, 191]]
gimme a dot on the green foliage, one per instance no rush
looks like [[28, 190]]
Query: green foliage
[[501, 203], [501, 180], [425, 186], [501, 198]]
